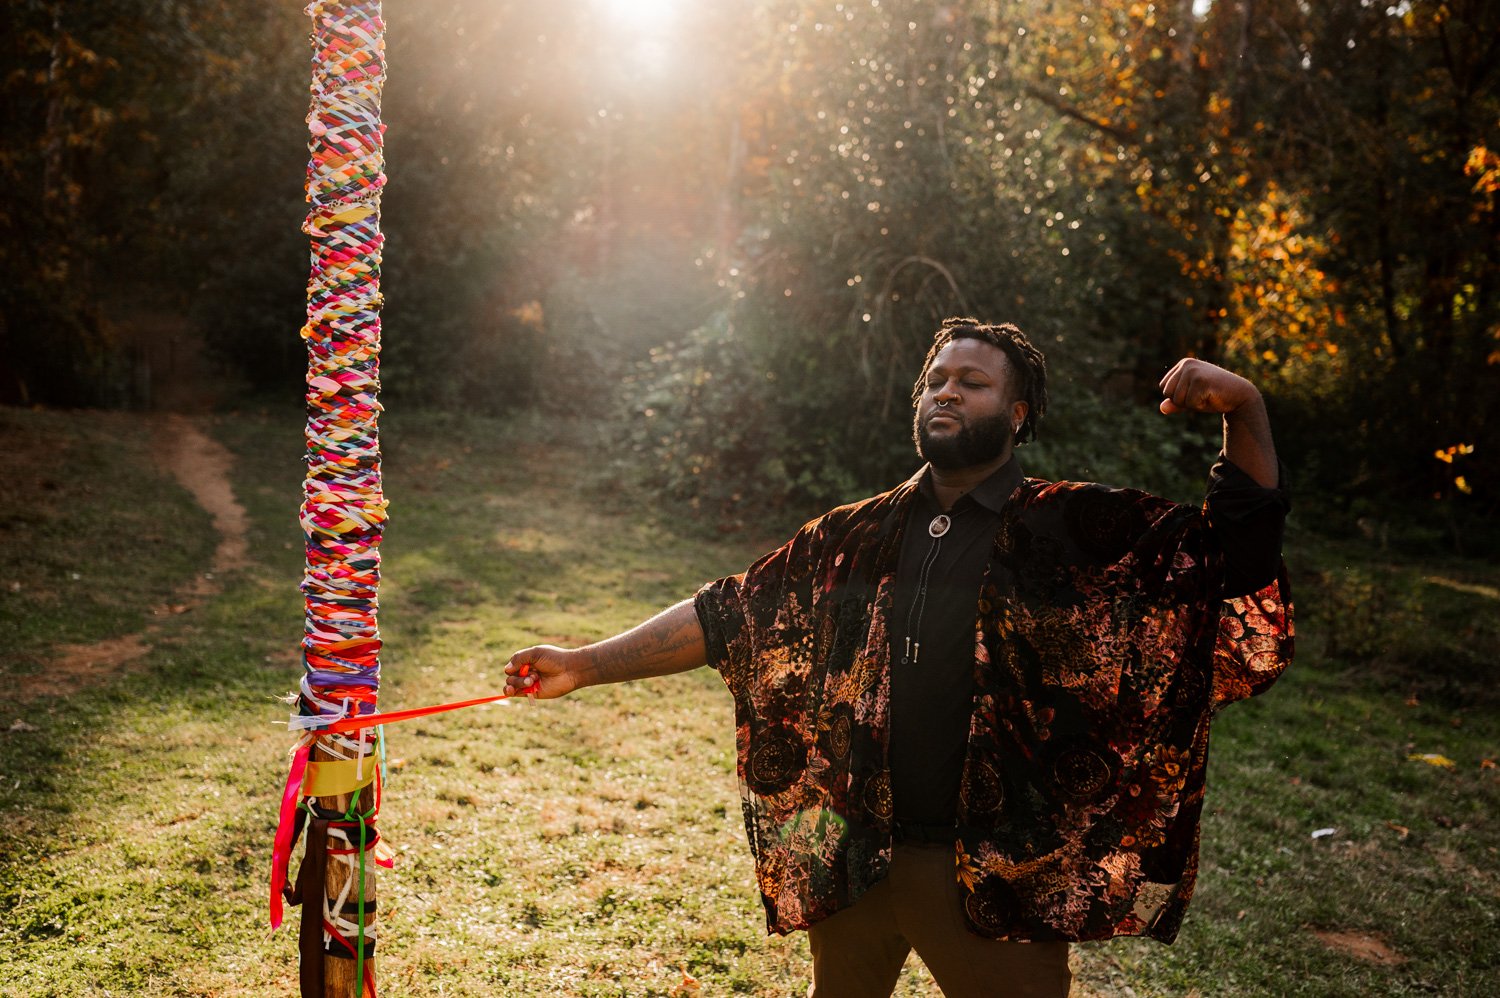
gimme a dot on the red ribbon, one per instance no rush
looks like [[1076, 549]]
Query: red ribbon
[[281, 851], [345, 724]]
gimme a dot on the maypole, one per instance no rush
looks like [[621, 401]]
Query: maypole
[[333, 789]]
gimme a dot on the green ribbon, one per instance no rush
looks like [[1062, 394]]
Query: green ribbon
[[359, 942]]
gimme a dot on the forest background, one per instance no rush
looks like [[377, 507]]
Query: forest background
[[725, 231]]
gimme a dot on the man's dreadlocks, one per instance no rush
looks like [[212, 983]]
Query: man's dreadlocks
[[1027, 364]]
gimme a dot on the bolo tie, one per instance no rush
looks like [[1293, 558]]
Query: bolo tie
[[936, 529]]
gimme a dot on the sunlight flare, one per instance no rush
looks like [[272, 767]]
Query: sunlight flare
[[644, 16]]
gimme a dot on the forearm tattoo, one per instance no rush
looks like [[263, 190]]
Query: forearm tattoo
[[672, 641]]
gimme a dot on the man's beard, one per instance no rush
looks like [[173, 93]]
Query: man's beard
[[974, 444]]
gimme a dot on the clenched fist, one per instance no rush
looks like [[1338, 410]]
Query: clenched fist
[[1194, 385]]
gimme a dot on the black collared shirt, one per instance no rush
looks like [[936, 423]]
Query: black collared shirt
[[932, 634], [932, 643]]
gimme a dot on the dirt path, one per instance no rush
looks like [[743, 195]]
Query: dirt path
[[201, 465]]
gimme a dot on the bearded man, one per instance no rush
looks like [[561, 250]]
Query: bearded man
[[973, 711]]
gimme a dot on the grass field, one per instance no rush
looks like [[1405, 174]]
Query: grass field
[[593, 845]]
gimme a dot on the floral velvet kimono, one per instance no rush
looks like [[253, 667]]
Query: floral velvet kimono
[[1099, 659]]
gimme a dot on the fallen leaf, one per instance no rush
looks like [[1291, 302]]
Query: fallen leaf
[[1401, 830], [1486, 763], [1295, 781], [1433, 759], [689, 988], [21, 725], [1323, 833]]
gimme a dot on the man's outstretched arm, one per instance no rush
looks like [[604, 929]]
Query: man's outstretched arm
[[1197, 386], [671, 641]]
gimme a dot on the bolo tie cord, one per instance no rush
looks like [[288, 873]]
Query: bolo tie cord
[[919, 605], [913, 650]]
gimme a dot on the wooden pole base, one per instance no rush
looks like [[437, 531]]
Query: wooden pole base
[[339, 971]]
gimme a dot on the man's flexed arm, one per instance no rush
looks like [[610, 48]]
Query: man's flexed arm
[[1194, 385], [671, 641]]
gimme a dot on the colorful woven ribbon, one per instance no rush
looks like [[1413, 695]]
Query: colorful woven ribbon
[[343, 510]]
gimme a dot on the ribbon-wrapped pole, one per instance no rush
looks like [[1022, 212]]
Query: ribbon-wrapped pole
[[343, 509]]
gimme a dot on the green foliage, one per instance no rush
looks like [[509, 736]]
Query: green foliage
[[1395, 356], [1089, 436], [741, 423], [724, 422], [878, 195]]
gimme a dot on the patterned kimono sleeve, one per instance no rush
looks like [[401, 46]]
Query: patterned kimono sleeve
[[1255, 636], [735, 610], [1255, 642]]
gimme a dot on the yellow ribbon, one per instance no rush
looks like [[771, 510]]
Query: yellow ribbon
[[332, 777]]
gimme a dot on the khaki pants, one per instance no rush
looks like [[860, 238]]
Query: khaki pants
[[858, 953]]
